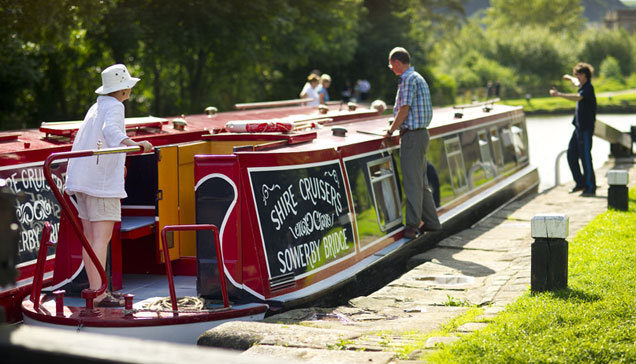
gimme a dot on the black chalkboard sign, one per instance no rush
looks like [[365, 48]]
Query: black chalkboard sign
[[304, 218], [35, 205]]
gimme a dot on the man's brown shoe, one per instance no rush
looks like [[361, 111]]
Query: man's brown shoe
[[411, 232]]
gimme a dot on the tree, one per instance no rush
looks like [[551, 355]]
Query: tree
[[598, 44], [40, 49], [412, 24], [556, 15]]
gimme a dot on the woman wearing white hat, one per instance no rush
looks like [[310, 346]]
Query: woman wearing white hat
[[98, 182]]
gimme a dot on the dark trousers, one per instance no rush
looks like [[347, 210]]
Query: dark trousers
[[580, 149]]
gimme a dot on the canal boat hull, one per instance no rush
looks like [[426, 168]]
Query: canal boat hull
[[300, 214]]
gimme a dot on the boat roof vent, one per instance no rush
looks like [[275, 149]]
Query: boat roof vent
[[339, 131]]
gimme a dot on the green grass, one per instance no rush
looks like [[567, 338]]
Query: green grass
[[554, 105], [593, 321]]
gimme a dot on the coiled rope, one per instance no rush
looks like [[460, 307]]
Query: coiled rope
[[185, 303]]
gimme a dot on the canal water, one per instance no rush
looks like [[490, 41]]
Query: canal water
[[549, 135]]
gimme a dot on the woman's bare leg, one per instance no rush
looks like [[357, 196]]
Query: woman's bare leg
[[98, 234]]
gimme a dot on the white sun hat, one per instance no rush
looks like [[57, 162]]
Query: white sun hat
[[115, 78]]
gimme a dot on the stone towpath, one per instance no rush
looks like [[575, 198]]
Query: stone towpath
[[487, 265]]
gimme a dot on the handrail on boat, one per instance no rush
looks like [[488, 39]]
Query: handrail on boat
[[38, 276], [88, 294], [256, 105], [166, 257], [477, 104]]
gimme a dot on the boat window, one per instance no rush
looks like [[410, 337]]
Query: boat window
[[519, 141], [385, 192], [484, 147], [456, 164], [495, 140]]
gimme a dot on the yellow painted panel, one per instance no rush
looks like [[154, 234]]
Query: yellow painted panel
[[187, 214], [168, 185]]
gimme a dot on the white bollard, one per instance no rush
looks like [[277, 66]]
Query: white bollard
[[617, 195], [549, 252]]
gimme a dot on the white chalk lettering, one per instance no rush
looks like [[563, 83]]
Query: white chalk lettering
[[285, 205], [30, 239], [314, 189], [312, 221], [298, 257], [335, 243]]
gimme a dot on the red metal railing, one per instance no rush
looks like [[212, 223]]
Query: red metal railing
[[88, 294], [38, 276], [166, 257]]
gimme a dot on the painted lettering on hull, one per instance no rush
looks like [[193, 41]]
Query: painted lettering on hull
[[34, 206], [304, 217]]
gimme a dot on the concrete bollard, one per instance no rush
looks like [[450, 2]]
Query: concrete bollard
[[617, 195], [549, 253]]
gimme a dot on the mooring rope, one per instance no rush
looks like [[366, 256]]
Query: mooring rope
[[184, 305]]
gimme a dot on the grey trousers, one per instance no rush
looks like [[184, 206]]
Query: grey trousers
[[420, 205]]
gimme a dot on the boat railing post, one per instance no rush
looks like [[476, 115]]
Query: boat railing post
[[88, 294], [557, 179], [59, 302], [38, 276], [166, 257]]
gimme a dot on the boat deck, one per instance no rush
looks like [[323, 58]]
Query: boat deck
[[147, 288]]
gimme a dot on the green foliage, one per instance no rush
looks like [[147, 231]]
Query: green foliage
[[536, 55], [555, 16], [592, 321], [42, 55], [611, 69], [598, 44], [456, 302], [205, 52], [557, 105], [193, 54], [444, 89], [475, 70]]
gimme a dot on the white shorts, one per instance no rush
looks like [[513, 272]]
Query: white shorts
[[98, 208]]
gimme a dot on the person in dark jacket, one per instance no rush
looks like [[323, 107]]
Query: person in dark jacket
[[580, 147]]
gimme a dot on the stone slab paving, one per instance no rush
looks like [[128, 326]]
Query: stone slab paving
[[487, 265]]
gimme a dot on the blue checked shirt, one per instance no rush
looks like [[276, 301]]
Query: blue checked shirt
[[413, 91]]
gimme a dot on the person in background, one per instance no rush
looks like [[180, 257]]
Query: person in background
[[310, 90], [413, 112], [325, 82], [346, 91], [98, 182], [362, 89], [580, 146]]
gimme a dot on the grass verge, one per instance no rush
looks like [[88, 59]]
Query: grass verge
[[556, 105], [592, 321]]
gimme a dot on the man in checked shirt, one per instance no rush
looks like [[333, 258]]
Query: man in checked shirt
[[413, 112]]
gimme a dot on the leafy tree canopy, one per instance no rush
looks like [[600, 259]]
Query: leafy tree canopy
[[555, 15]]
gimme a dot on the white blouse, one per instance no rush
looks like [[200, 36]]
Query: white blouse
[[311, 93], [101, 176]]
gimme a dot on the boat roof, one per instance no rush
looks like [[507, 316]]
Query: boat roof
[[32, 145]]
